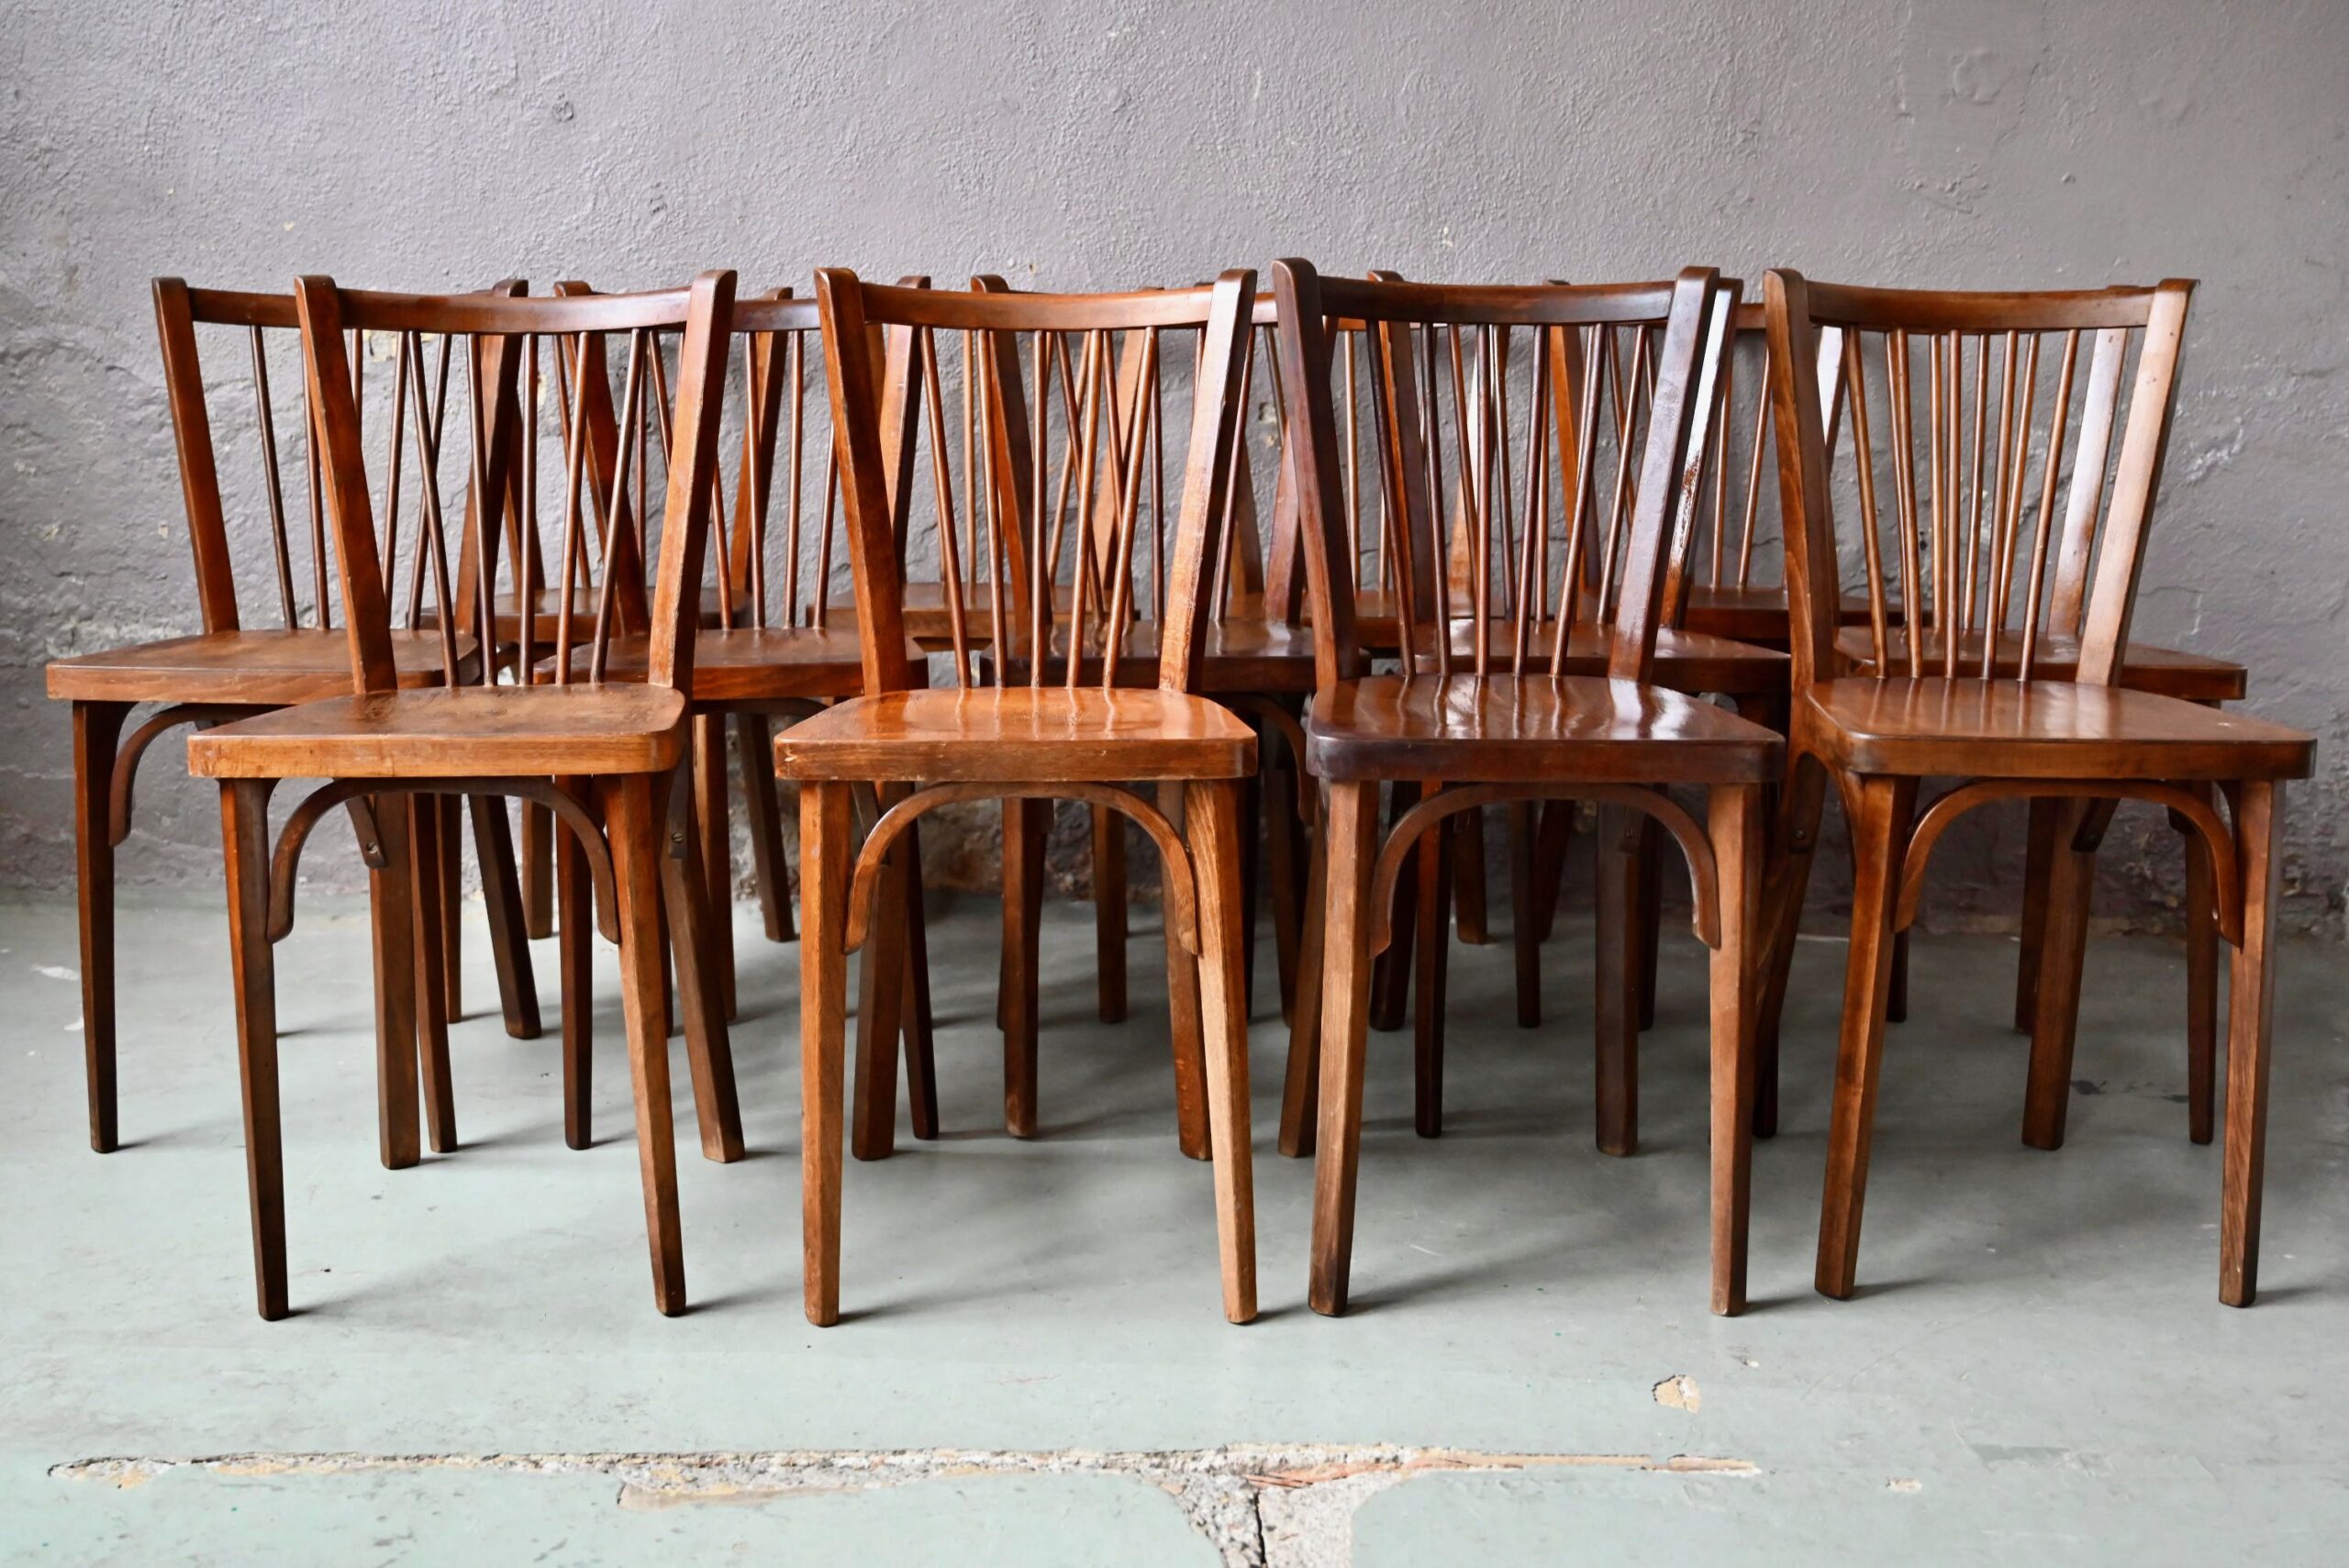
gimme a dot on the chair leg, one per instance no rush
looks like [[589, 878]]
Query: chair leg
[[391, 908], [1786, 878], [509, 942], [823, 1036], [1391, 983], [1251, 823], [2259, 837], [635, 822], [880, 1007], [1880, 837], [574, 897], [1736, 834], [1525, 926], [2039, 860], [1024, 825], [1895, 996], [1192, 1133], [422, 814], [1551, 842], [1283, 828], [709, 1054], [2054, 1031], [1350, 828], [1468, 878], [244, 838], [1110, 912], [538, 871], [1214, 820], [770, 868], [1616, 998], [921, 1058], [1433, 964], [97, 727], [2201, 983], [1651, 904], [714, 842], [1300, 1088], [452, 897]]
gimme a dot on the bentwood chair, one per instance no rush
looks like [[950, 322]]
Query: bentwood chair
[[1075, 740], [1730, 592], [757, 663], [1975, 554], [398, 748], [1500, 723], [231, 670]]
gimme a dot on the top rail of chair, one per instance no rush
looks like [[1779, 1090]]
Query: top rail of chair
[[960, 310], [1498, 305], [500, 315], [1953, 310]]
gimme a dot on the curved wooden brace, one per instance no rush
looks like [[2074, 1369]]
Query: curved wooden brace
[[2184, 805], [1704, 879], [1178, 881], [1292, 732], [287, 856], [125, 762]]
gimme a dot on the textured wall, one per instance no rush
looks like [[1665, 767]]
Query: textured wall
[[1966, 142]]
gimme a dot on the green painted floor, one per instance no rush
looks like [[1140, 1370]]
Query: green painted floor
[[1033, 1368]]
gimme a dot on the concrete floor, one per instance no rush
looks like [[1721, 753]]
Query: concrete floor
[[1034, 1369]]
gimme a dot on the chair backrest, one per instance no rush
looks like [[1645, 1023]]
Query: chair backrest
[[1013, 349], [1617, 386], [497, 340], [1957, 538]]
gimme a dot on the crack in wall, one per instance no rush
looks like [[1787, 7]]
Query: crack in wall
[[1260, 1505]]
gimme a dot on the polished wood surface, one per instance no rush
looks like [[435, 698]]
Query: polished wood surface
[[265, 668], [492, 732], [1504, 728], [1015, 733]]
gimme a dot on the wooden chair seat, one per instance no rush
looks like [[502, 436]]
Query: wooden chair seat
[[2037, 730], [262, 668], [1684, 661], [470, 733], [1240, 656], [747, 664], [1504, 728], [2195, 677], [1020, 734]]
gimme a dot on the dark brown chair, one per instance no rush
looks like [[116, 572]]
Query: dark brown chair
[[1501, 723], [1975, 549], [398, 748]]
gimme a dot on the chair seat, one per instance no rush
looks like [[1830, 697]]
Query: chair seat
[[266, 669], [748, 664], [1505, 729], [1020, 734], [1693, 661], [2195, 677], [2039, 729], [1241, 655], [472, 731]]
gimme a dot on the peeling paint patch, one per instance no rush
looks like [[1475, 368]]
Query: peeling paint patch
[[1262, 1504], [1679, 1391]]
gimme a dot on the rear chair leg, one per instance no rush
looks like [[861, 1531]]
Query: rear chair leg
[[392, 918], [1110, 912], [634, 820], [1192, 1133], [538, 871], [2201, 982], [709, 1055], [1213, 818], [2056, 1028], [423, 823], [1300, 1090], [823, 1037], [574, 895], [1433, 963], [770, 868], [2259, 837], [1349, 826], [1617, 997], [509, 946], [880, 1007]]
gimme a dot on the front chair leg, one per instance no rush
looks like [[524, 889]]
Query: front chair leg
[[97, 727], [1736, 833], [1617, 1009], [1213, 817], [1349, 826], [244, 839], [2055, 1027], [2201, 980], [391, 892], [1880, 837], [574, 898], [2259, 840], [421, 817], [709, 1054], [2038, 865], [634, 819], [824, 812], [1025, 823], [1433, 913]]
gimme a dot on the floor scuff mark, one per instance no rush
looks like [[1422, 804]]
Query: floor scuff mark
[[1262, 1504], [1679, 1391]]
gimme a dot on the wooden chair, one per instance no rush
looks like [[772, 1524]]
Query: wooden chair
[[397, 748], [231, 670], [1501, 723], [1975, 550], [1003, 741], [756, 663], [1730, 593]]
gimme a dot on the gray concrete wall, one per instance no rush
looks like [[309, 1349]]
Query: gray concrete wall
[[1968, 142]]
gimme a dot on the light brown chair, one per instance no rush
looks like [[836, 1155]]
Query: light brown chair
[[1013, 742], [1976, 550], [398, 748], [1500, 723]]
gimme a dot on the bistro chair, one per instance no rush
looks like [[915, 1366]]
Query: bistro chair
[[1499, 722], [1970, 680], [1073, 738], [614, 746]]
